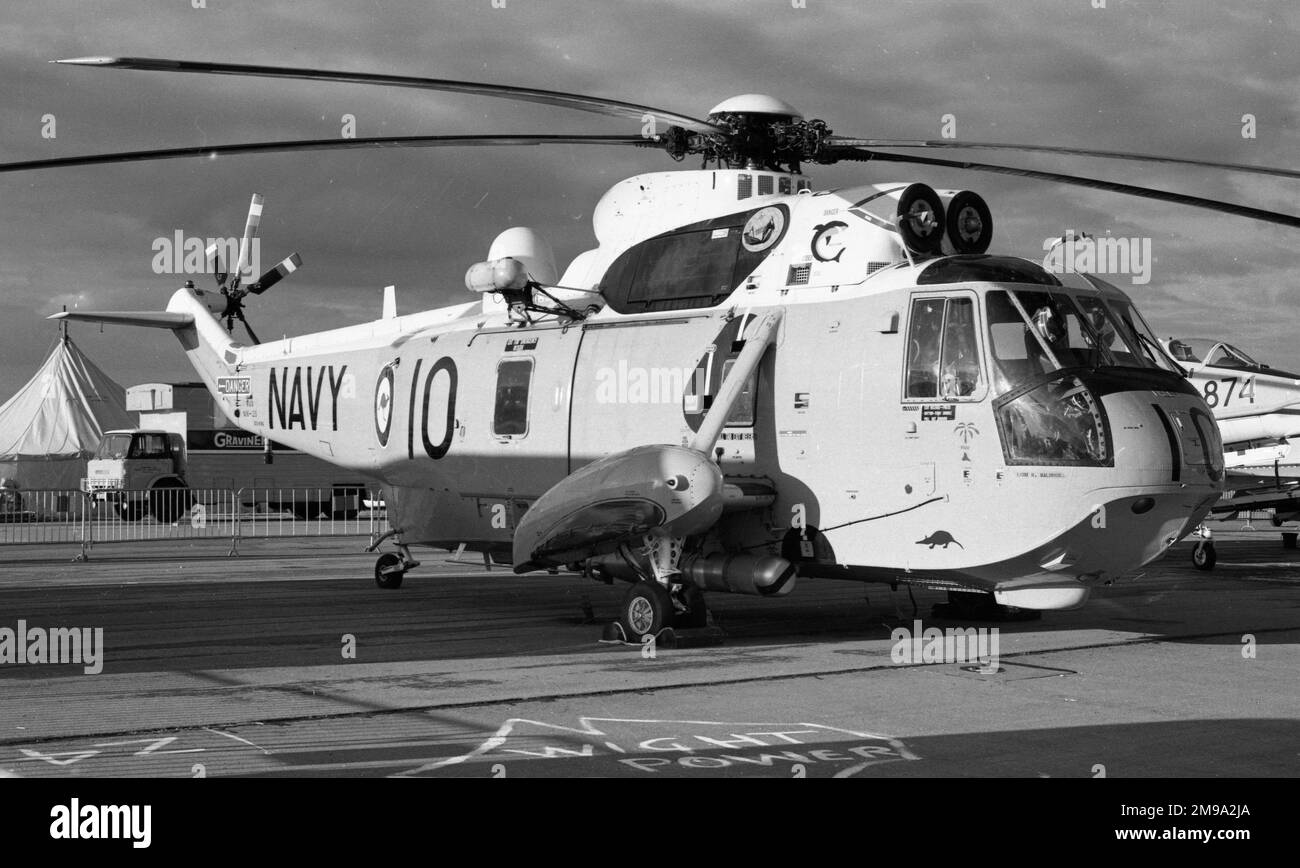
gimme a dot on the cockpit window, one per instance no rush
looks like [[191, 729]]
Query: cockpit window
[[1228, 356], [1117, 341], [959, 369], [1138, 333], [943, 350], [923, 348], [1035, 332]]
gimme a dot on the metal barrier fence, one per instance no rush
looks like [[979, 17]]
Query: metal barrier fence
[[36, 517]]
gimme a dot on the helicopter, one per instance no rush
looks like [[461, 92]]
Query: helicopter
[[747, 383]]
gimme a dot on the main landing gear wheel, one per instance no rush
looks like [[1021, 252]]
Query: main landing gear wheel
[[1203, 555], [646, 610], [389, 571]]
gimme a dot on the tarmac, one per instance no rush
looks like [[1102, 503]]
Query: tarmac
[[287, 661]]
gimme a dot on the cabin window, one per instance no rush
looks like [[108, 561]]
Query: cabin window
[[510, 418], [943, 355], [694, 266], [691, 265], [742, 412]]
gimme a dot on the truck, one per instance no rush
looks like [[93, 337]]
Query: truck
[[185, 451], [140, 473], [153, 472]]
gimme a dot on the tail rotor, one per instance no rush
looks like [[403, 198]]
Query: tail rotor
[[235, 292]]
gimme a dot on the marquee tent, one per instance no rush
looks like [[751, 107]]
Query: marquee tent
[[54, 423]]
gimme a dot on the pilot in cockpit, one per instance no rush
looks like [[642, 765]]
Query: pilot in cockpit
[[1048, 323], [1181, 351]]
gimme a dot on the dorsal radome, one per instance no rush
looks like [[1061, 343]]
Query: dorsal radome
[[757, 104]]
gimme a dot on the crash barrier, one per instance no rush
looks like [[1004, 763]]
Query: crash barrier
[[35, 517]]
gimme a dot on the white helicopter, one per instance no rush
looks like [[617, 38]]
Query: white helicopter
[[1257, 408], [746, 383]]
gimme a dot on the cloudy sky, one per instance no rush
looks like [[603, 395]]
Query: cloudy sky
[[1165, 77]]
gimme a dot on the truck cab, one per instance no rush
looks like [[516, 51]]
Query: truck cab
[[140, 471]]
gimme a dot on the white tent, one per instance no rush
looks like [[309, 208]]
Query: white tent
[[54, 423]]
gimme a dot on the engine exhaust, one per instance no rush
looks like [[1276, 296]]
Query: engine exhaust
[[741, 574]]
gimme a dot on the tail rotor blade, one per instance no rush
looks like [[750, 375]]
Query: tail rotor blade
[[213, 256], [250, 233], [288, 266]]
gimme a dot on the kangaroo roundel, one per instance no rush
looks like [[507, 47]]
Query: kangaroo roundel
[[384, 405]]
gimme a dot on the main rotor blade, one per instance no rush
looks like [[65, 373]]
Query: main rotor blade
[[1075, 180], [322, 145], [841, 141], [597, 105]]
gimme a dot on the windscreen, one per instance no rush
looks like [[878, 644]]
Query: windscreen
[[1138, 333], [1228, 356], [1035, 332], [114, 446]]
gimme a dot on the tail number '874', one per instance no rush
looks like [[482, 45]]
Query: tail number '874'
[[1215, 394], [432, 408]]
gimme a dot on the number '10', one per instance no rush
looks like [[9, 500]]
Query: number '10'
[[437, 450]]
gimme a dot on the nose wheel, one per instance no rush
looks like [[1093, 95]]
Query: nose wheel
[[1203, 554], [388, 571], [392, 567]]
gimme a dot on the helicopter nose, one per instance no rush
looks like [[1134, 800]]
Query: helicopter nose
[[1166, 438], [1168, 469]]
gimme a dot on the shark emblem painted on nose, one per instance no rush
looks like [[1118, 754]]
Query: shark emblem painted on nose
[[939, 538]]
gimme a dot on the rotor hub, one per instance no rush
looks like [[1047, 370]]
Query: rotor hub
[[754, 131]]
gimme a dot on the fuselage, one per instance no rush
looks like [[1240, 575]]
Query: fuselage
[[913, 421]]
